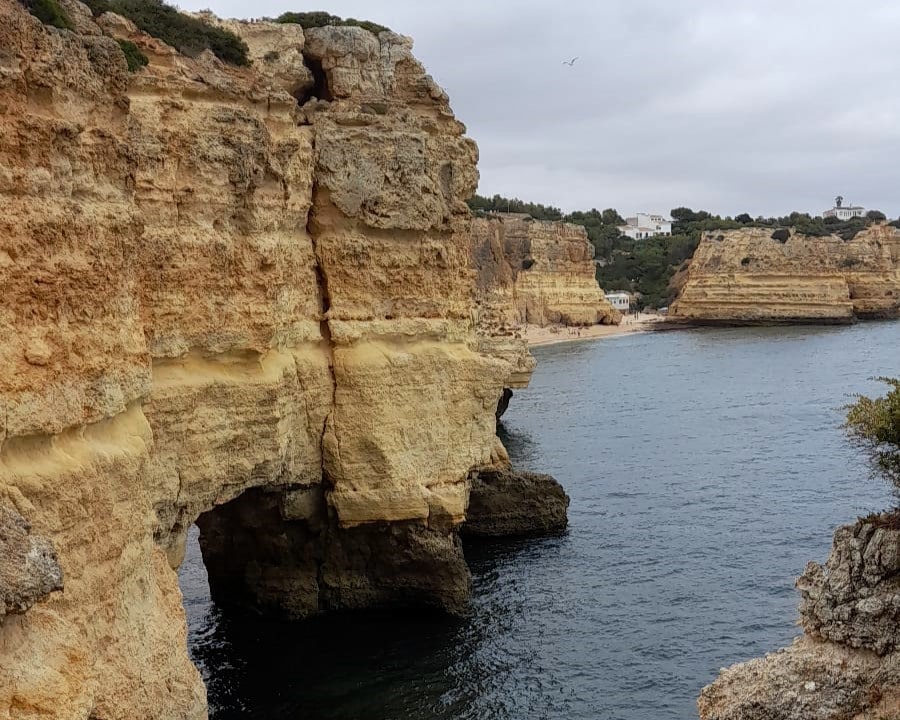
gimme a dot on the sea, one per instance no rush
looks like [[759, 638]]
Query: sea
[[705, 467]]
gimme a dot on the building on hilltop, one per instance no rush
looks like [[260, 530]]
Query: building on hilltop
[[644, 225], [844, 212]]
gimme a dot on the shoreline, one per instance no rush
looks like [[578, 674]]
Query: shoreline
[[554, 334]]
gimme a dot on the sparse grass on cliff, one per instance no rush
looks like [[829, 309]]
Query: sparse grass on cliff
[[189, 35], [322, 19], [133, 55], [49, 12]]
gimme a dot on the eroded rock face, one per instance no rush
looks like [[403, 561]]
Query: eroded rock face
[[855, 598], [847, 665], [537, 272], [211, 289], [749, 276], [29, 570]]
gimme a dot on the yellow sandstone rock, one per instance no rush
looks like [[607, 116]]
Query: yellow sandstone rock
[[747, 276], [226, 286]]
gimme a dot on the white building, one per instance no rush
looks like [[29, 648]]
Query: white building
[[844, 212], [644, 225], [619, 300]]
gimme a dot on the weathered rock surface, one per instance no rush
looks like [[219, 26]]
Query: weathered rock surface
[[538, 272], [29, 570], [216, 289], [854, 599], [746, 276], [847, 665], [508, 503]]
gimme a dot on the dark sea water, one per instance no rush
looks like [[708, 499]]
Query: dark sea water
[[705, 469]]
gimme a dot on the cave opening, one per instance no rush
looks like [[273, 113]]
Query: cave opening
[[319, 89]]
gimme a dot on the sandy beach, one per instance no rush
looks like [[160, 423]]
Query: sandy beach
[[536, 335]]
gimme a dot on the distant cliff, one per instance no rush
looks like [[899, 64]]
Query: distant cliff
[[537, 272], [757, 275]]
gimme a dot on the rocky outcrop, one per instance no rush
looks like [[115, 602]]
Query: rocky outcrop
[[507, 503], [848, 664], [755, 275], [537, 272], [241, 297]]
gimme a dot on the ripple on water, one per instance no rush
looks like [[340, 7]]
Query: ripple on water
[[705, 469]]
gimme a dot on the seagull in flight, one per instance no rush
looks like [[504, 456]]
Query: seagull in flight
[[570, 63]]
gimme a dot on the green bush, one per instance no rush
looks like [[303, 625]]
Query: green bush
[[322, 19], [875, 425], [133, 55], [50, 13], [98, 7], [189, 35]]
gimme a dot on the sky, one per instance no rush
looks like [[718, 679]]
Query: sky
[[755, 106]]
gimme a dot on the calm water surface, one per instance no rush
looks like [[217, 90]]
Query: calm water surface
[[705, 468]]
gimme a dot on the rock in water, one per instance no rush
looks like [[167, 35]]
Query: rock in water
[[507, 503]]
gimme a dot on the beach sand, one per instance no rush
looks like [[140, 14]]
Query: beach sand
[[536, 335]]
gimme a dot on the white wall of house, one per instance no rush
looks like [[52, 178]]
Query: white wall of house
[[644, 225], [845, 213], [620, 301]]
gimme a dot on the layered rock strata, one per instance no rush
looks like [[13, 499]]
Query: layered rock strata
[[537, 272], [847, 665], [755, 275], [237, 297]]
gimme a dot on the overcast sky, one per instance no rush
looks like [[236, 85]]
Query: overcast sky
[[756, 106]]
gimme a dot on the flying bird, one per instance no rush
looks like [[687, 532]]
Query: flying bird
[[570, 63]]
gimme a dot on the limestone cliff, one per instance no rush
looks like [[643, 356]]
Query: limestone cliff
[[241, 297], [754, 275], [536, 272], [847, 665]]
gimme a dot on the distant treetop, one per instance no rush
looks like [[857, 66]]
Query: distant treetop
[[320, 18]]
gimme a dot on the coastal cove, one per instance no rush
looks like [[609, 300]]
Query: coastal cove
[[705, 467]]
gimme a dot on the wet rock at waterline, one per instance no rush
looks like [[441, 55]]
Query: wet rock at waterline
[[506, 503]]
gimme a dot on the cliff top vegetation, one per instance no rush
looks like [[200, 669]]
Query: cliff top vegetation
[[187, 34], [320, 18]]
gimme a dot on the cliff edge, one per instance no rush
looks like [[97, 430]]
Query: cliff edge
[[240, 297]]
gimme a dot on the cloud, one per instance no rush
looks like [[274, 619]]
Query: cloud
[[760, 106]]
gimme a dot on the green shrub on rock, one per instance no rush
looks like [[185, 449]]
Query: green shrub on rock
[[321, 19], [189, 35], [49, 12], [133, 55], [875, 425]]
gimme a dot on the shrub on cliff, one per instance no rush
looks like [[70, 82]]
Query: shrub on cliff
[[322, 19], [189, 35], [875, 425], [49, 12], [133, 55]]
